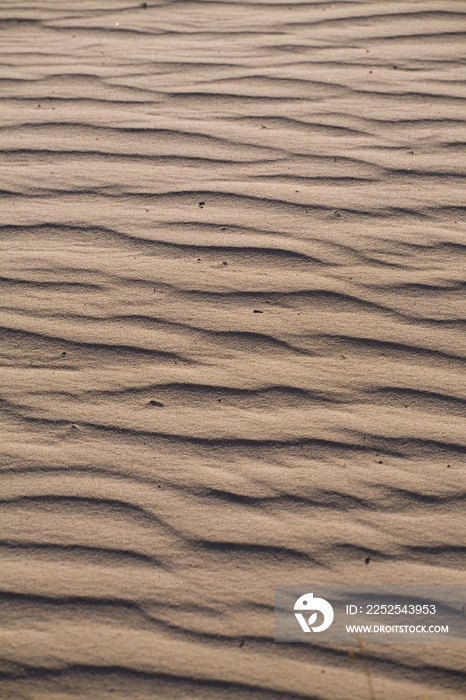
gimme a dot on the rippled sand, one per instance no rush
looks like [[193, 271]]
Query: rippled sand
[[233, 339]]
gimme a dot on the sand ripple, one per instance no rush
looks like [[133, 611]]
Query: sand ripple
[[233, 339]]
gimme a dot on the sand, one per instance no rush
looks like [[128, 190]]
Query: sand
[[233, 340]]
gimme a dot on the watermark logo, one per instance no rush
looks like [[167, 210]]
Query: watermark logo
[[307, 603], [336, 613]]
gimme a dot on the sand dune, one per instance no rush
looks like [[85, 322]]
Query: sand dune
[[233, 339]]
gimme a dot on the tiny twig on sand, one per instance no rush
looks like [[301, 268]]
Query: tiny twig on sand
[[362, 660]]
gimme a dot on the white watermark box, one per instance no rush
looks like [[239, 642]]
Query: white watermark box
[[336, 613]]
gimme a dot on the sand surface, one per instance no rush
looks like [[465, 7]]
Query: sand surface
[[233, 339]]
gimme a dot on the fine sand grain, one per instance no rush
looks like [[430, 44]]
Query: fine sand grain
[[233, 339]]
